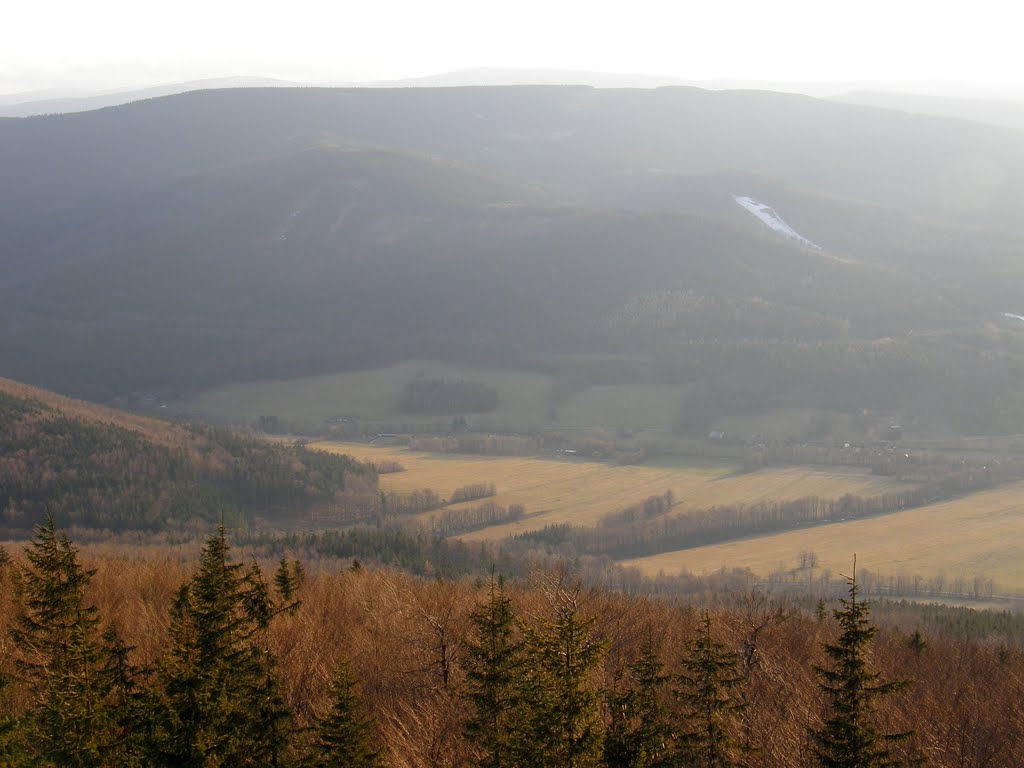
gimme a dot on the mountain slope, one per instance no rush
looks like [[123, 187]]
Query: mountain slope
[[571, 137], [1006, 113], [216, 236], [95, 467], [340, 257]]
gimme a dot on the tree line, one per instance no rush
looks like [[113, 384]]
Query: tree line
[[447, 395]]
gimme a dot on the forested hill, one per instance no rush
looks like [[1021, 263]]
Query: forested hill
[[94, 467], [569, 137], [180, 243]]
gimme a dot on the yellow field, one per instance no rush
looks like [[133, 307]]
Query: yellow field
[[979, 535], [582, 492]]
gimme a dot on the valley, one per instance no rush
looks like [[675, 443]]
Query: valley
[[952, 545], [656, 316], [581, 492], [523, 415]]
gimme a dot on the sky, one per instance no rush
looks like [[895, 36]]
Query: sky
[[104, 44]]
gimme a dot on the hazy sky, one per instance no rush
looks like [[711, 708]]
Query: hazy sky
[[108, 43]]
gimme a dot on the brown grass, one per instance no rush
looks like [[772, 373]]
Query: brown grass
[[397, 631]]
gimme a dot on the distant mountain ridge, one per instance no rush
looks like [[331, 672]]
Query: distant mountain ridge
[[570, 137], [869, 93], [221, 235], [44, 103], [1003, 112]]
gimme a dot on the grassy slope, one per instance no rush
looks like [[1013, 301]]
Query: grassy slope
[[373, 395], [636, 406]]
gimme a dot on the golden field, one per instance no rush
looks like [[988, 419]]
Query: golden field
[[581, 492], [977, 535]]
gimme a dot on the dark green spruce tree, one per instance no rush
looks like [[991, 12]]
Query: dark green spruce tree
[[707, 682], [9, 752], [217, 703], [639, 734], [344, 737], [8, 721], [75, 721], [288, 578], [493, 664], [126, 699], [850, 736], [561, 716]]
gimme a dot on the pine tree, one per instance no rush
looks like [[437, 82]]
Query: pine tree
[[561, 708], [8, 721], [709, 676], [917, 642], [9, 751], [344, 735], [850, 737], [288, 578], [126, 699], [217, 701], [71, 723], [820, 611], [639, 735], [493, 662]]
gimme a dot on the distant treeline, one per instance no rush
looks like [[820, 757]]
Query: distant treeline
[[807, 577], [409, 502], [471, 492], [482, 443], [652, 506], [447, 395], [452, 522]]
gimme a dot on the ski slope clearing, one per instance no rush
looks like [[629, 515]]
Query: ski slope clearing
[[773, 221]]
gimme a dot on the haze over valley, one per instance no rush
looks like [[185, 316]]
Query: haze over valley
[[213, 237], [645, 389]]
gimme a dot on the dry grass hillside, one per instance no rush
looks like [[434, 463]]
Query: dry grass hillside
[[397, 630]]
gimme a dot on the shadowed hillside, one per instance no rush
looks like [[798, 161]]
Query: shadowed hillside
[[179, 243], [99, 468]]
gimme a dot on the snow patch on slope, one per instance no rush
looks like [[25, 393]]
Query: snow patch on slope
[[773, 221], [1013, 316]]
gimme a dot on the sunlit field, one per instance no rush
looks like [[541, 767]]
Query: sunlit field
[[581, 492], [977, 535]]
